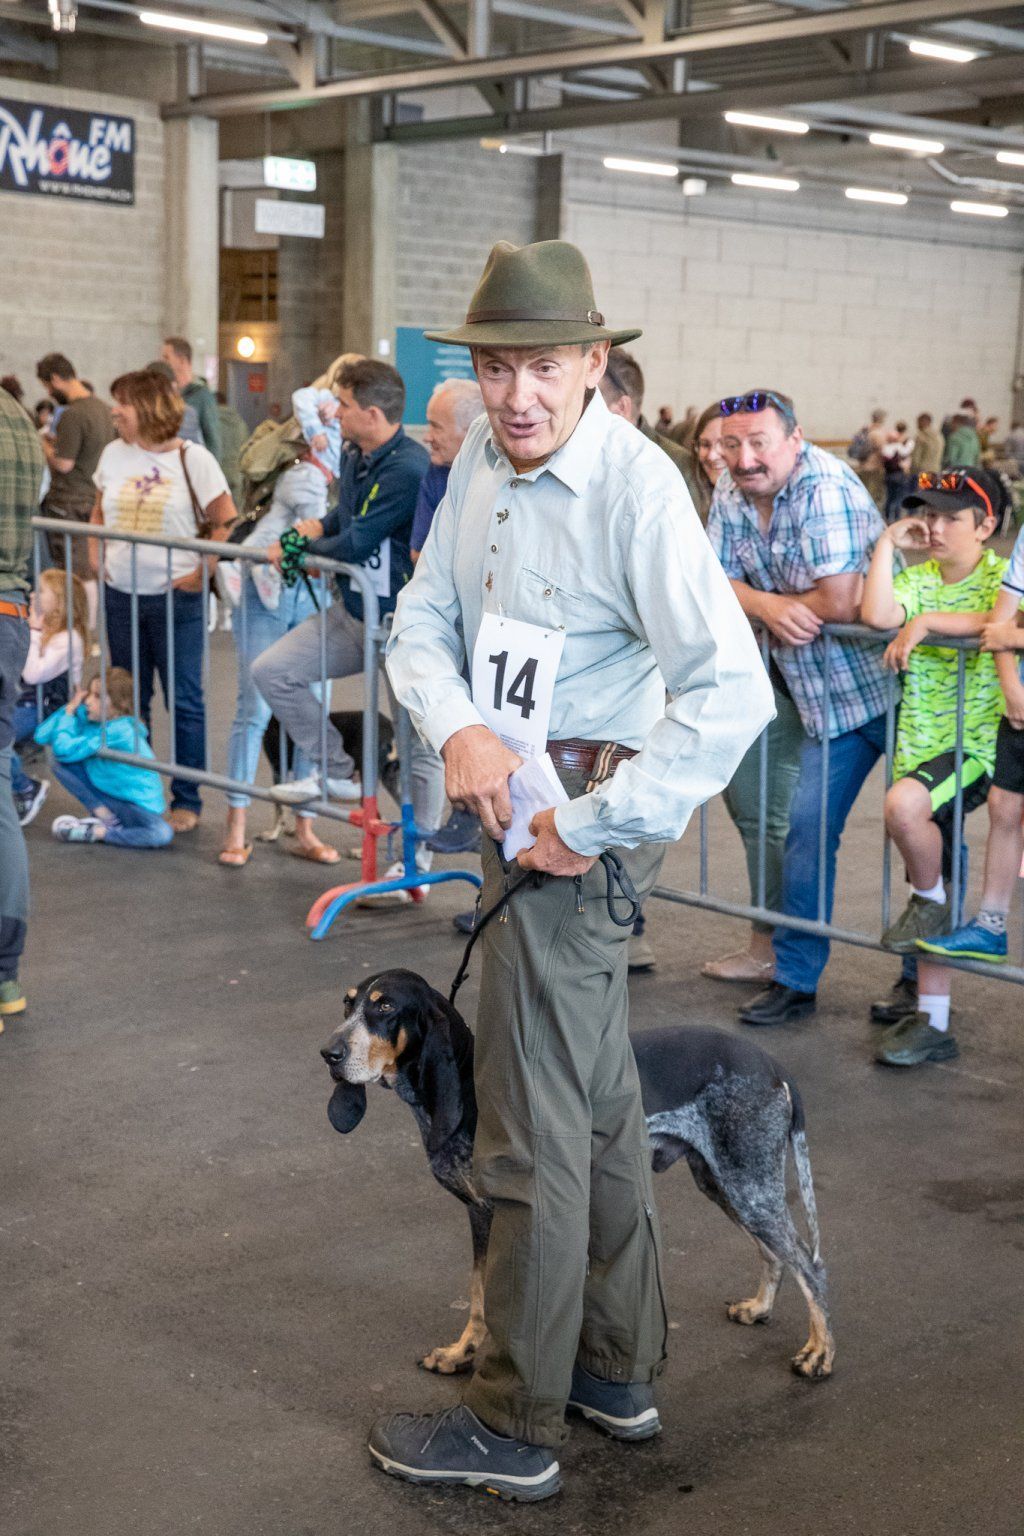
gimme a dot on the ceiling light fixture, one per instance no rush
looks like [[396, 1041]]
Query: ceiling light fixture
[[767, 183], [902, 141], [981, 210], [245, 346], [640, 167], [946, 51], [773, 124], [1010, 157], [203, 28], [873, 195]]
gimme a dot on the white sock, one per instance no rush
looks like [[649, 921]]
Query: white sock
[[937, 1010], [937, 892]]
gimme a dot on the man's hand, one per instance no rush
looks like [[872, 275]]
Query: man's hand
[[789, 620], [908, 533], [477, 770], [273, 553], [310, 528], [1001, 635], [549, 853], [1014, 695], [897, 652]]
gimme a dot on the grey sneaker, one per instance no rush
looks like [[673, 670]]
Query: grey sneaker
[[623, 1409], [454, 1447], [920, 919], [913, 1041]]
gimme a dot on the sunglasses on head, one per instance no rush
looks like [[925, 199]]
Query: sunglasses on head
[[756, 400], [954, 480]]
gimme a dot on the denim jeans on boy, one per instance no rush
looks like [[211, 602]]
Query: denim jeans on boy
[[26, 718], [133, 827], [255, 628], [189, 627], [800, 958]]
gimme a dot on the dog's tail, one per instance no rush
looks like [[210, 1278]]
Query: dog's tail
[[802, 1162]]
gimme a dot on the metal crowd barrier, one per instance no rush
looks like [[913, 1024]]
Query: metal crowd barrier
[[757, 911], [365, 816]]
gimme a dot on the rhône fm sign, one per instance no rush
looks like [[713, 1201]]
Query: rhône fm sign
[[56, 152]]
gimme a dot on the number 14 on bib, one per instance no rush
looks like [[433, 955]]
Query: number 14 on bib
[[514, 670]]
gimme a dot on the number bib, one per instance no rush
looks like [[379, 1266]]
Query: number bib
[[514, 671], [378, 569]]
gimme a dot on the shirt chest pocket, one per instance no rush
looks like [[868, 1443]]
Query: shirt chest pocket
[[548, 602]]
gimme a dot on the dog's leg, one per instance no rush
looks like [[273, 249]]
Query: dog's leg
[[816, 1357], [450, 1358], [779, 1240], [758, 1309]]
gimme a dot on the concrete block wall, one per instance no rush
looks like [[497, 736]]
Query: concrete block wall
[[844, 316], [80, 278], [455, 201]]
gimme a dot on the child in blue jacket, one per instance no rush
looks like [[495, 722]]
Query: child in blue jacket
[[125, 803]]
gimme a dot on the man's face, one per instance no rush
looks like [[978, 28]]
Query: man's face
[[758, 453], [54, 390], [179, 366], [442, 437], [533, 396], [357, 425]]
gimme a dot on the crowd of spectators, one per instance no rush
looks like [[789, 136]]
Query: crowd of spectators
[[808, 537]]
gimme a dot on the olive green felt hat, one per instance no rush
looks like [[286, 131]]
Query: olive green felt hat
[[538, 295]]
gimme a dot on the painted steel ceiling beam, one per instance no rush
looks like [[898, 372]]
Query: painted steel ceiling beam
[[856, 18]]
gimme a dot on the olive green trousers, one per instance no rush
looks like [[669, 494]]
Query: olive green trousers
[[573, 1265]]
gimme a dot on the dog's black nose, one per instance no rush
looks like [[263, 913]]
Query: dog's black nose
[[335, 1053]]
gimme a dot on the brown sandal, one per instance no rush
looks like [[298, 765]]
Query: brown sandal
[[235, 858], [323, 853]]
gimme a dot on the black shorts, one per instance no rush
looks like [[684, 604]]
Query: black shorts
[[1009, 769], [938, 775]]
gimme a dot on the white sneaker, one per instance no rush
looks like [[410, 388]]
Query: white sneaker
[[391, 898], [299, 791]]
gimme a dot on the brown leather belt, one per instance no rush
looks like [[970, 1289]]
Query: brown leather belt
[[579, 756], [13, 610]]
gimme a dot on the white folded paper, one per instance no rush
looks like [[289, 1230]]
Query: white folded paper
[[534, 787]]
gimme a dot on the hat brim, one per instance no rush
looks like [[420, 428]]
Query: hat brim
[[941, 501], [529, 333]]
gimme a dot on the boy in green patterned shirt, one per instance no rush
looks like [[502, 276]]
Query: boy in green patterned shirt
[[951, 593]]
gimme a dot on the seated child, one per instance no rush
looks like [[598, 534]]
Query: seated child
[[984, 938], [46, 668], [125, 803], [953, 593]]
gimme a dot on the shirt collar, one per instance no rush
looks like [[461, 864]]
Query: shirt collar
[[574, 462]]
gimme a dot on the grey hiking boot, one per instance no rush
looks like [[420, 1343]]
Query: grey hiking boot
[[453, 1447], [920, 919], [623, 1409], [913, 1041]]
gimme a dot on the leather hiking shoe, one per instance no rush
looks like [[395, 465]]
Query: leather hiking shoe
[[971, 942], [913, 1042], [778, 1004], [920, 919], [453, 1447], [901, 1001], [641, 954], [12, 999], [623, 1409], [464, 922], [460, 834]]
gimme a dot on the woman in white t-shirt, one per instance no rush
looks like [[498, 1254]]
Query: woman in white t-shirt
[[151, 482]]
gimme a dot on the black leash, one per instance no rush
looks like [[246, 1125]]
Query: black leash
[[616, 875]]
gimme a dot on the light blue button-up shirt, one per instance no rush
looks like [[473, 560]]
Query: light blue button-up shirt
[[602, 540]]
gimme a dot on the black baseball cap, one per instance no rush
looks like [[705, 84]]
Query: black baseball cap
[[957, 487]]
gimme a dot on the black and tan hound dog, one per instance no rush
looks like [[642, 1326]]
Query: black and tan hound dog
[[719, 1102]]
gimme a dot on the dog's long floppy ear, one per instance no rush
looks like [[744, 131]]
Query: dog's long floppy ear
[[440, 1085], [347, 1106]]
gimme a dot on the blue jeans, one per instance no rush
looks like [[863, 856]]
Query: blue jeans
[[800, 958], [131, 827], [255, 629], [189, 709], [26, 718]]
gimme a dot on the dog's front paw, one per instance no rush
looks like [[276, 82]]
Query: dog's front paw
[[749, 1312], [815, 1360], [449, 1359]]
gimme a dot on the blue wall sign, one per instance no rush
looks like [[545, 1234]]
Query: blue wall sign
[[55, 152], [423, 365]]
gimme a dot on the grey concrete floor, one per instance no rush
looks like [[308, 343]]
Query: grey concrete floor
[[207, 1294]]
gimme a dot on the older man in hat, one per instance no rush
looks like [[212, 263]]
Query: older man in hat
[[567, 570]]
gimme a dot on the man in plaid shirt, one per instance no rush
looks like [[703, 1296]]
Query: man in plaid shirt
[[21, 475], [794, 529]]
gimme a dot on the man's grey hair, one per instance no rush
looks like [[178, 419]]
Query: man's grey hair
[[467, 401]]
